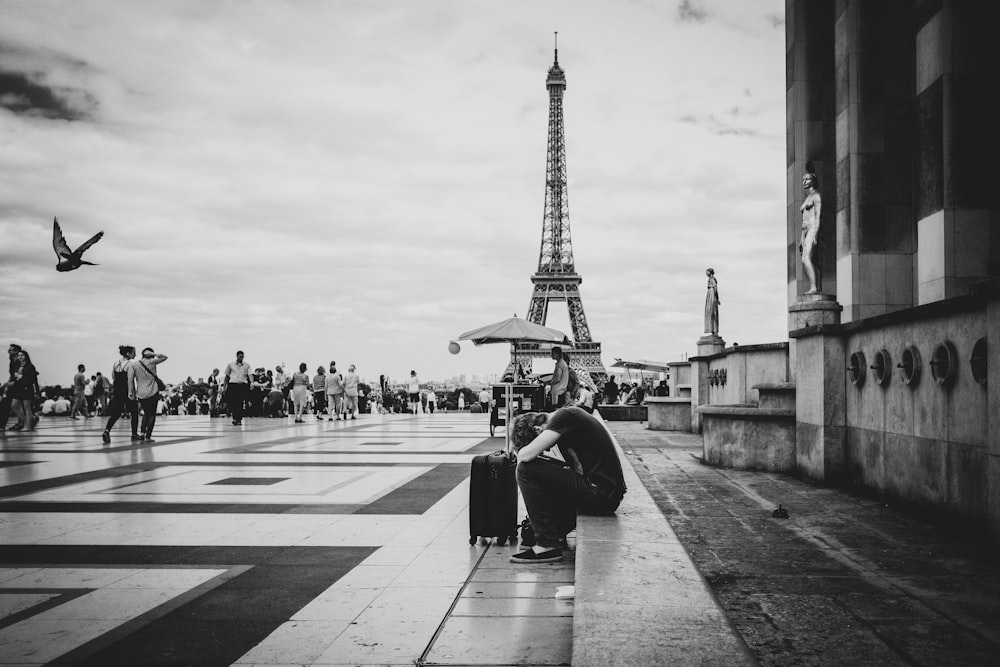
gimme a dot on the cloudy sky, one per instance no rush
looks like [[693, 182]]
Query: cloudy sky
[[364, 181]]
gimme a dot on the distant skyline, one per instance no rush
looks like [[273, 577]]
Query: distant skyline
[[364, 181]]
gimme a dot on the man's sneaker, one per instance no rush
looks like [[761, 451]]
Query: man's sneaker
[[529, 556], [106, 437], [136, 438], [149, 440]]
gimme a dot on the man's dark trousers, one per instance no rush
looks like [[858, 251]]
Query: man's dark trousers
[[553, 494], [236, 398]]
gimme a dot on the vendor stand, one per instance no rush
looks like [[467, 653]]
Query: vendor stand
[[522, 398]]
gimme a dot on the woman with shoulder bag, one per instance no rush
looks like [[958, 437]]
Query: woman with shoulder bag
[[24, 390], [145, 386]]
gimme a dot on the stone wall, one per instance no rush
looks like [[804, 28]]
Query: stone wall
[[926, 433]]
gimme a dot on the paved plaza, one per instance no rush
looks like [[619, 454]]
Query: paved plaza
[[272, 543], [346, 543]]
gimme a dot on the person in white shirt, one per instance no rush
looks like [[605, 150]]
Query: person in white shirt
[[350, 392], [431, 400], [142, 386], [414, 392], [61, 406], [334, 392], [236, 387], [48, 406], [484, 400]]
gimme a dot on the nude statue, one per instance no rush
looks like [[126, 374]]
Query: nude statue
[[712, 303], [811, 208]]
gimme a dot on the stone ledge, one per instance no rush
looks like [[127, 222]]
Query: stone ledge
[[639, 598], [745, 411], [623, 413]]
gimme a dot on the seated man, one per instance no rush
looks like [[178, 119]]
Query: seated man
[[61, 406], [590, 481]]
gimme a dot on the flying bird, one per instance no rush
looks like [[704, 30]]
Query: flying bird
[[70, 259]]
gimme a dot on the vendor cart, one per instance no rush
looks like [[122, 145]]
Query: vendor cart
[[523, 398]]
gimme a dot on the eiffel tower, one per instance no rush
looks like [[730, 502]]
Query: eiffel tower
[[556, 278]]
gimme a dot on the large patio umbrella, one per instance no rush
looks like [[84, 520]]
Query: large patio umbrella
[[514, 330]]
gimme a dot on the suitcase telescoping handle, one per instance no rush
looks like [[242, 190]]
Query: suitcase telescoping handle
[[508, 421]]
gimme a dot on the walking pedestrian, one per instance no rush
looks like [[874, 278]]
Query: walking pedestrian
[[319, 392], [102, 387], [350, 392], [79, 393], [414, 392], [335, 391], [213, 393], [236, 386], [142, 387], [300, 391], [120, 397], [6, 399], [24, 391]]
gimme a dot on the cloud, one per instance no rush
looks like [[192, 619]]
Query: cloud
[[365, 181], [22, 96], [691, 11]]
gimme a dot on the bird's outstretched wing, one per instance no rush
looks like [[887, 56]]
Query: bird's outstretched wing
[[58, 241], [89, 242]]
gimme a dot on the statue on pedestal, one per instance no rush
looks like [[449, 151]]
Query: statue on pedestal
[[810, 208], [712, 304]]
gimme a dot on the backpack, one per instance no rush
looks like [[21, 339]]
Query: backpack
[[573, 383]]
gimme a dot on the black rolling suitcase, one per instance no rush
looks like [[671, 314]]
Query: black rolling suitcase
[[493, 498]]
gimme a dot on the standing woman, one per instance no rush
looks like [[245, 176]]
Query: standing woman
[[24, 391], [143, 387], [301, 384], [119, 395], [319, 392]]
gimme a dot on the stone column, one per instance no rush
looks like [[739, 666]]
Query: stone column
[[958, 211], [820, 408], [708, 345], [876, 236], [810, 133]]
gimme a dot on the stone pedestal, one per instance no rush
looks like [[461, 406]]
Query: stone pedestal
[[817, 359], [813, 310], [710, 344]]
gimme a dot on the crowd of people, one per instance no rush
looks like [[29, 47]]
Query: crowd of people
[[135, 391]]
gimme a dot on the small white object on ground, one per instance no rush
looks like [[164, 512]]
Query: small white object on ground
[[564, 592]]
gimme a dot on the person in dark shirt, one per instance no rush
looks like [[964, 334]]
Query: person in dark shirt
[[589, 481], [6, 400], [611, 392]]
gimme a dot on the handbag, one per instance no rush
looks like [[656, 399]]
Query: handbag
[[160, 385]]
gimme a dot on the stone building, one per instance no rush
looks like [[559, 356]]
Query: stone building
[[895, 375]]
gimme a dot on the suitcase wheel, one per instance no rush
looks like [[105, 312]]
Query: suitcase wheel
[[472, 540], [501, 541]]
